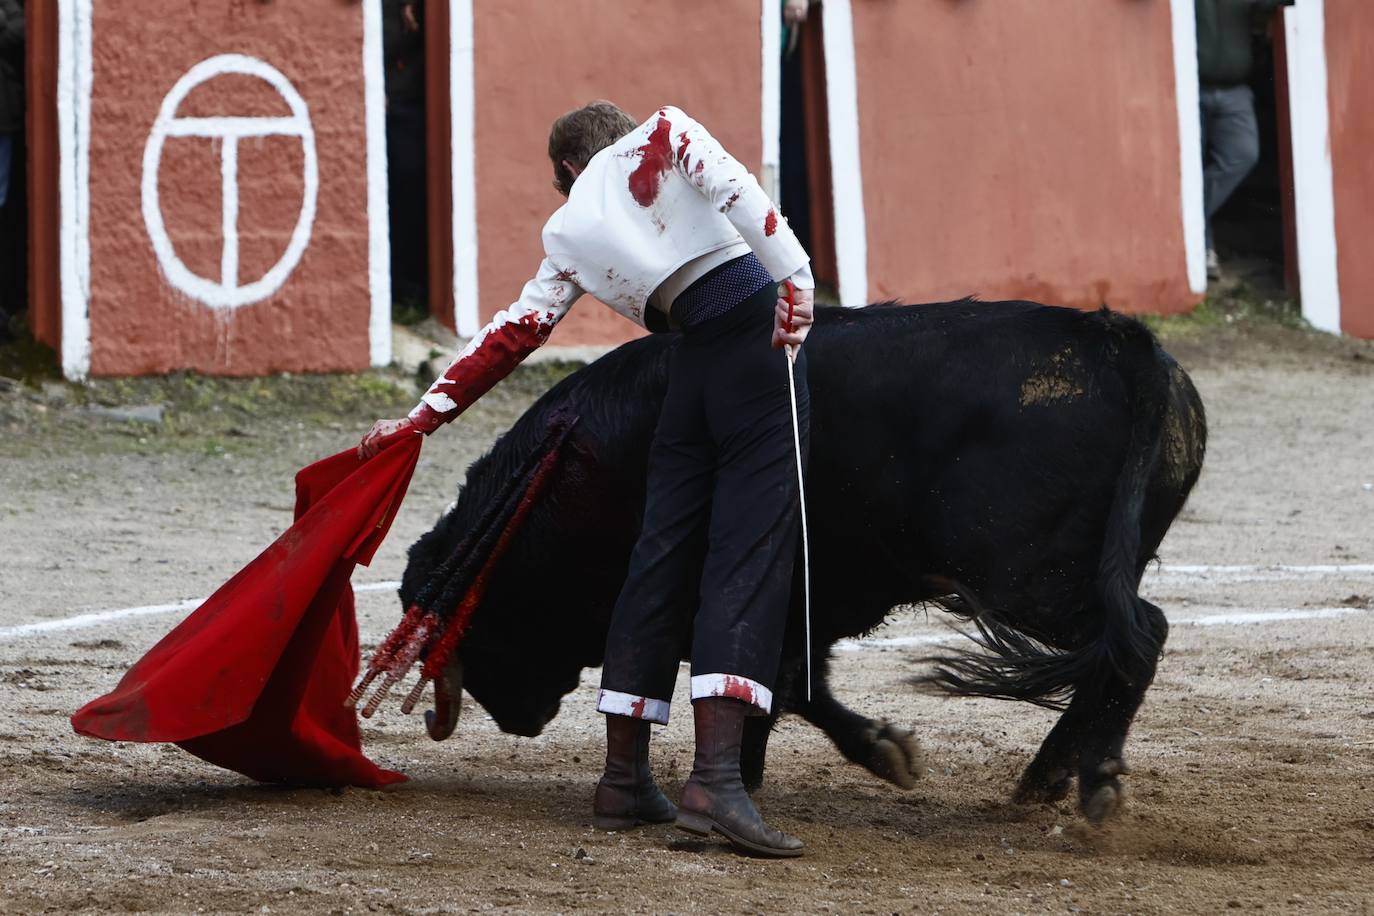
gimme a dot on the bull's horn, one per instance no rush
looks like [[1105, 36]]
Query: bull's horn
[[448, 700]]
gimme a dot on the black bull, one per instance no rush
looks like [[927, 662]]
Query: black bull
[[1016, 463]]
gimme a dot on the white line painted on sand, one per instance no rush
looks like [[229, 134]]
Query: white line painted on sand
[[1233, 573], [897, 642], [1268, 615], [1260, 573], [1316, 568], [1223, 617], [95, 618], [377, 587]]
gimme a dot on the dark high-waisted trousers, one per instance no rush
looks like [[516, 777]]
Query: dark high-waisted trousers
[[714, 561]]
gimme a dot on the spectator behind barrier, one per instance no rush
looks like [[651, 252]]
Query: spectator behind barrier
[[1230, 130]]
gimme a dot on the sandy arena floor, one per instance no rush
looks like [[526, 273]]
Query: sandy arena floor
[[1253, 758]]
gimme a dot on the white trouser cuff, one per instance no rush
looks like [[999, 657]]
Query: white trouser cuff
[[636, 707], [729, 685]]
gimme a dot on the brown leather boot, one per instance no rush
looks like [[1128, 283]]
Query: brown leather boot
[[714, 797], [627, 795]]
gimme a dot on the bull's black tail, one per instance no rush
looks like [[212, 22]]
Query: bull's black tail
[[1017, 667]]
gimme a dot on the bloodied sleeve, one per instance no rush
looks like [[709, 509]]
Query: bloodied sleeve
[[510, 336], [734, 191]]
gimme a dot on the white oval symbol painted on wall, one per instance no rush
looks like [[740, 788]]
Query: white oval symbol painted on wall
[[228, 291]]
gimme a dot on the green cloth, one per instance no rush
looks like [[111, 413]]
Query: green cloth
[[1225, 32]]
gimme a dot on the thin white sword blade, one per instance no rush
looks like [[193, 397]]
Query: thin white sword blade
[[801, 498]]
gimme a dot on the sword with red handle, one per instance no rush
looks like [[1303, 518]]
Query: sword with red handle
[[790, 294]]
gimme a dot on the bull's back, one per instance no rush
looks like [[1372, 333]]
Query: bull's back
[[974, 441], [980, 442]]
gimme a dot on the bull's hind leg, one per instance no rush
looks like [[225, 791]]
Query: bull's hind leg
[[1049, 776], [1091, 737], [1101, 754], [1087, 741], [1101, 757]]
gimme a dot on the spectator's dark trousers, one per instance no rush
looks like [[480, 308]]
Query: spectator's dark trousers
[[405, 150], [1230, 144], [6, 157]]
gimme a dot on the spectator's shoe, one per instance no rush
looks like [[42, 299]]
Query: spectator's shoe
[[627, 795], [1213, 265], [714, 798]]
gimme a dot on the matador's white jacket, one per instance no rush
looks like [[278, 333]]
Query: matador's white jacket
[[662, 196]]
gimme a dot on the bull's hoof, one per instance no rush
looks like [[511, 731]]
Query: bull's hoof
[[1105, 802], [894, 754], [1036, 788], [1102, 795]]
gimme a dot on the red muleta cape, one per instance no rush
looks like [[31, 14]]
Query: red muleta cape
[[255, 679]]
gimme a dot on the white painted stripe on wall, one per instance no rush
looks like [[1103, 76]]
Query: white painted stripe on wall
[[770, 31], [1186, 91], [378, 217], [232, 127], [462, 115], [229, 211], [74, 76], [846, 178], [72, 311], [1313, 183], [85, 66]]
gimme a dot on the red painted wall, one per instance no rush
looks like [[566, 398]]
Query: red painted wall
[[1012, 151], [1350, 73], [1004, 152], [318, 320], [532, 64]]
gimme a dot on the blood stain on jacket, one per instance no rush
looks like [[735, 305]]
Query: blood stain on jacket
[[683, 142], [656, 157]]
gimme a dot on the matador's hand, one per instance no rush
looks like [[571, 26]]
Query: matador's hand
[[382, 430], [801, 312]]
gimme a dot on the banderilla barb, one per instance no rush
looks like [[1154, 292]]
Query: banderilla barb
[[427, 631]]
